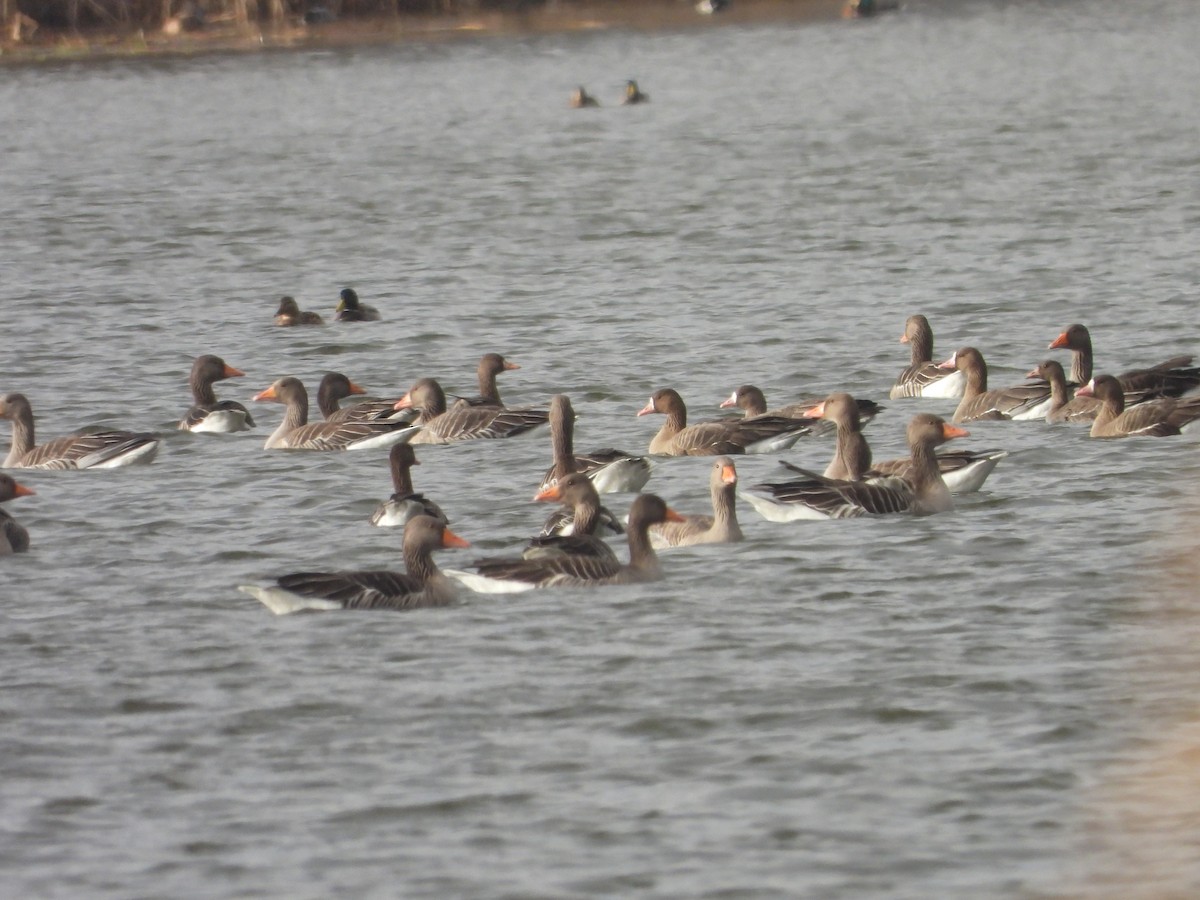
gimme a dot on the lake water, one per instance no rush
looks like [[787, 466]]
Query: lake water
[[997, 702]]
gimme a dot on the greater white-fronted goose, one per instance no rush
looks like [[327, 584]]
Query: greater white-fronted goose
[[1154, 418], [753, 402], [924, 377], [289, 314], [813, 496], [726, 437], [490, 365], [405, 503], [350, 309], [508, 575], [13, 536], [421, 583], [633, 94], [295, 433], [719, 528], [1020, 402], [208, 414], [852, 455], [1171, 378], [463, 422], [576, 527], [336, 387], [83, 450], [610, 470]]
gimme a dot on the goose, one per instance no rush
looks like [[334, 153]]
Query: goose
[[921, 492], [633, 94], [852, 455], [490, 365], [83, 450], [753, 402], [509, 575], [581, 99], [1020, 402], [576, 527], [208, 414], [1171, 378], [1153, 418], [294, 432], [924, 377], [463, 422], [421, 583], [405, 503], [289, 314], [13, 536], [336, 387], [349, 309], [610, 470], [719, 528], [726, 437]]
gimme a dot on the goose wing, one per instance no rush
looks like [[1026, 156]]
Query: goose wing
[[358, 590]]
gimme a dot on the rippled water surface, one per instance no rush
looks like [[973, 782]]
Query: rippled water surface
[[993, 702]]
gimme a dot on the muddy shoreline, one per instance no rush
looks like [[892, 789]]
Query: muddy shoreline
[[48, 47]]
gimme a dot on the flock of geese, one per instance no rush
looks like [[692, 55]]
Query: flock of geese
[[571, 549]]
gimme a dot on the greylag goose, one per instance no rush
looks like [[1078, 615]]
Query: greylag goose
[[421, 583], [508, 575], [726, 437], [1172, 378], [463, 422], [208, 414], [610, 470], [336, 387], [350, 309], [753, 402], [921, 492], [852, 455], [1063, 406], [1022, 401], [405, 503], [490, 365], [83, 450], [575, 528], [719, 528], [294, 432], [289, 314], [581, 99], [13, 537], [924, 377], [1153, 418], [633, 94]]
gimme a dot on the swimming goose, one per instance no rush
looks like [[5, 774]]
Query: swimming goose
[[1171, 378], [581, 99], [336, 387], [289, 314], [633, 94], [610, 470], [753, 402], [760, 434], [463, 422], [405, 503], [574, 570], [719, 528], [349, 309], [813, 496], [208, 414], [576, 527], [852, 455], [1153, 418], [1021, 402], [294, 432], [1063, 406], [924, 377], [421, 583], [83, 450], [490, 365], [13, 537]]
